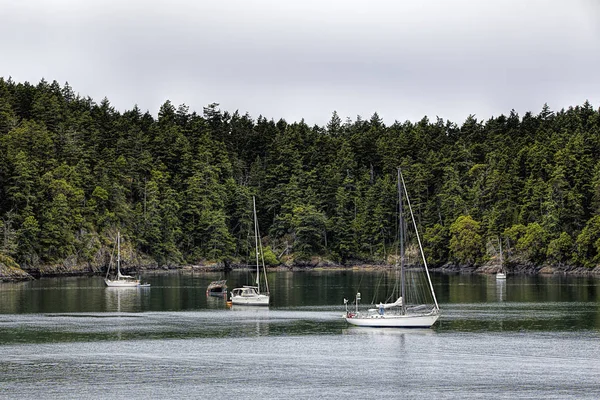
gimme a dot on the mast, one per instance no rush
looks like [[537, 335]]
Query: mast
[[437, 307], [259, 250], [262, 259], [256, 243], [401, 232], [501, 255], [118, 255]]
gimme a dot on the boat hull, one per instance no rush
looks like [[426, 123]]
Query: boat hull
[[260, 300], [217, 289], [217, 294], [394, 321], [121, 283]]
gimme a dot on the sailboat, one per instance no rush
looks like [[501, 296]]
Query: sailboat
[[501, 275], [252, 295], [410, 309], [120, 280]]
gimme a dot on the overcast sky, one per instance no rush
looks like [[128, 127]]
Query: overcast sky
[[304, 59]]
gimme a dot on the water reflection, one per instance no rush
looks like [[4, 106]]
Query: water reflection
[[500, 289], [257, 310], [216, 302], [356, 330], [468, 302], [251, 319], [125, 299]]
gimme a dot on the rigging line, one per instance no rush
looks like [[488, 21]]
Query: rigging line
[[359, 283], [111, 261], [391, 295], [377, 288], [419, 240]]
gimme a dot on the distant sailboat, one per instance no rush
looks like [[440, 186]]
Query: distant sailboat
[[252, 295], [501, 275], [406, 311], [120, 280]]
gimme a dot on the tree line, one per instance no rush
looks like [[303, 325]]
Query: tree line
[[179, 186]]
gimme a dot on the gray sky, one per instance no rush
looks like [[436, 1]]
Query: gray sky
[[304, 59]]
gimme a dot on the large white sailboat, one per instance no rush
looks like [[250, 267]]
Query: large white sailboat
[[120, 280], [415, 305], [252, 295]]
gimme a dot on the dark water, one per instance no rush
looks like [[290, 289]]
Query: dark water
[[528, 337]]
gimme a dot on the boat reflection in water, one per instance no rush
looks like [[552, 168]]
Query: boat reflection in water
[[251, 320], [362, 330], [501, 290], [124, 299]]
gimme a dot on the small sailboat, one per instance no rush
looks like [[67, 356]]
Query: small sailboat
[[120, 280], [416, 307], [252, 295], [501, 275]]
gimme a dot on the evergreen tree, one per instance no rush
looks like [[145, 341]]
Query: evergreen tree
[[465, 240], [72, 171]]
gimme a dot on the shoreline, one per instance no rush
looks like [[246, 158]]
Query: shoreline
[[12, 275]]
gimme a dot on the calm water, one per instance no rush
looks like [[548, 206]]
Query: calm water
[[528, 337]]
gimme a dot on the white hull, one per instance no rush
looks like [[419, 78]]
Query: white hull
[[122, 283], [500, 275], [260, 300], [394, 321]]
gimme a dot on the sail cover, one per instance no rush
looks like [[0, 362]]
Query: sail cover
[[397, 303]]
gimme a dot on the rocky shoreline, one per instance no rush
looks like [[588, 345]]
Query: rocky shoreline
[[11, 272]]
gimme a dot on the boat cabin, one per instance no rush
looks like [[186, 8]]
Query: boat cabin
[[246, 291]]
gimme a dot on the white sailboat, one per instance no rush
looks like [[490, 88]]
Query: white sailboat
[[411, 309], [120, 280], [252, 295], [501, 275]]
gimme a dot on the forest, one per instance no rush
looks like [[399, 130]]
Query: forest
[[179, 186]]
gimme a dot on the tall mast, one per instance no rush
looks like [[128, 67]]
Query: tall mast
[[256, 242], [118, 254], [401, 232], [437, 307]]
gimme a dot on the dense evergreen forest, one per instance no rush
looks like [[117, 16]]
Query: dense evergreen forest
[[179, 187]]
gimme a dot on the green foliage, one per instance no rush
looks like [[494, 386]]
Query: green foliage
[[533, 242], [73, 170], [308, 228], [436, 240], [343, 234], [8, 262], [560, 250], [587, 245], [269, 257], [466, 243], [515, 233]]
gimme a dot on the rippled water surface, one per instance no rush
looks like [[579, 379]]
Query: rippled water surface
[[528, 337]]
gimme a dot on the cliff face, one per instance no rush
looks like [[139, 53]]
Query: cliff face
[[10, 270]]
